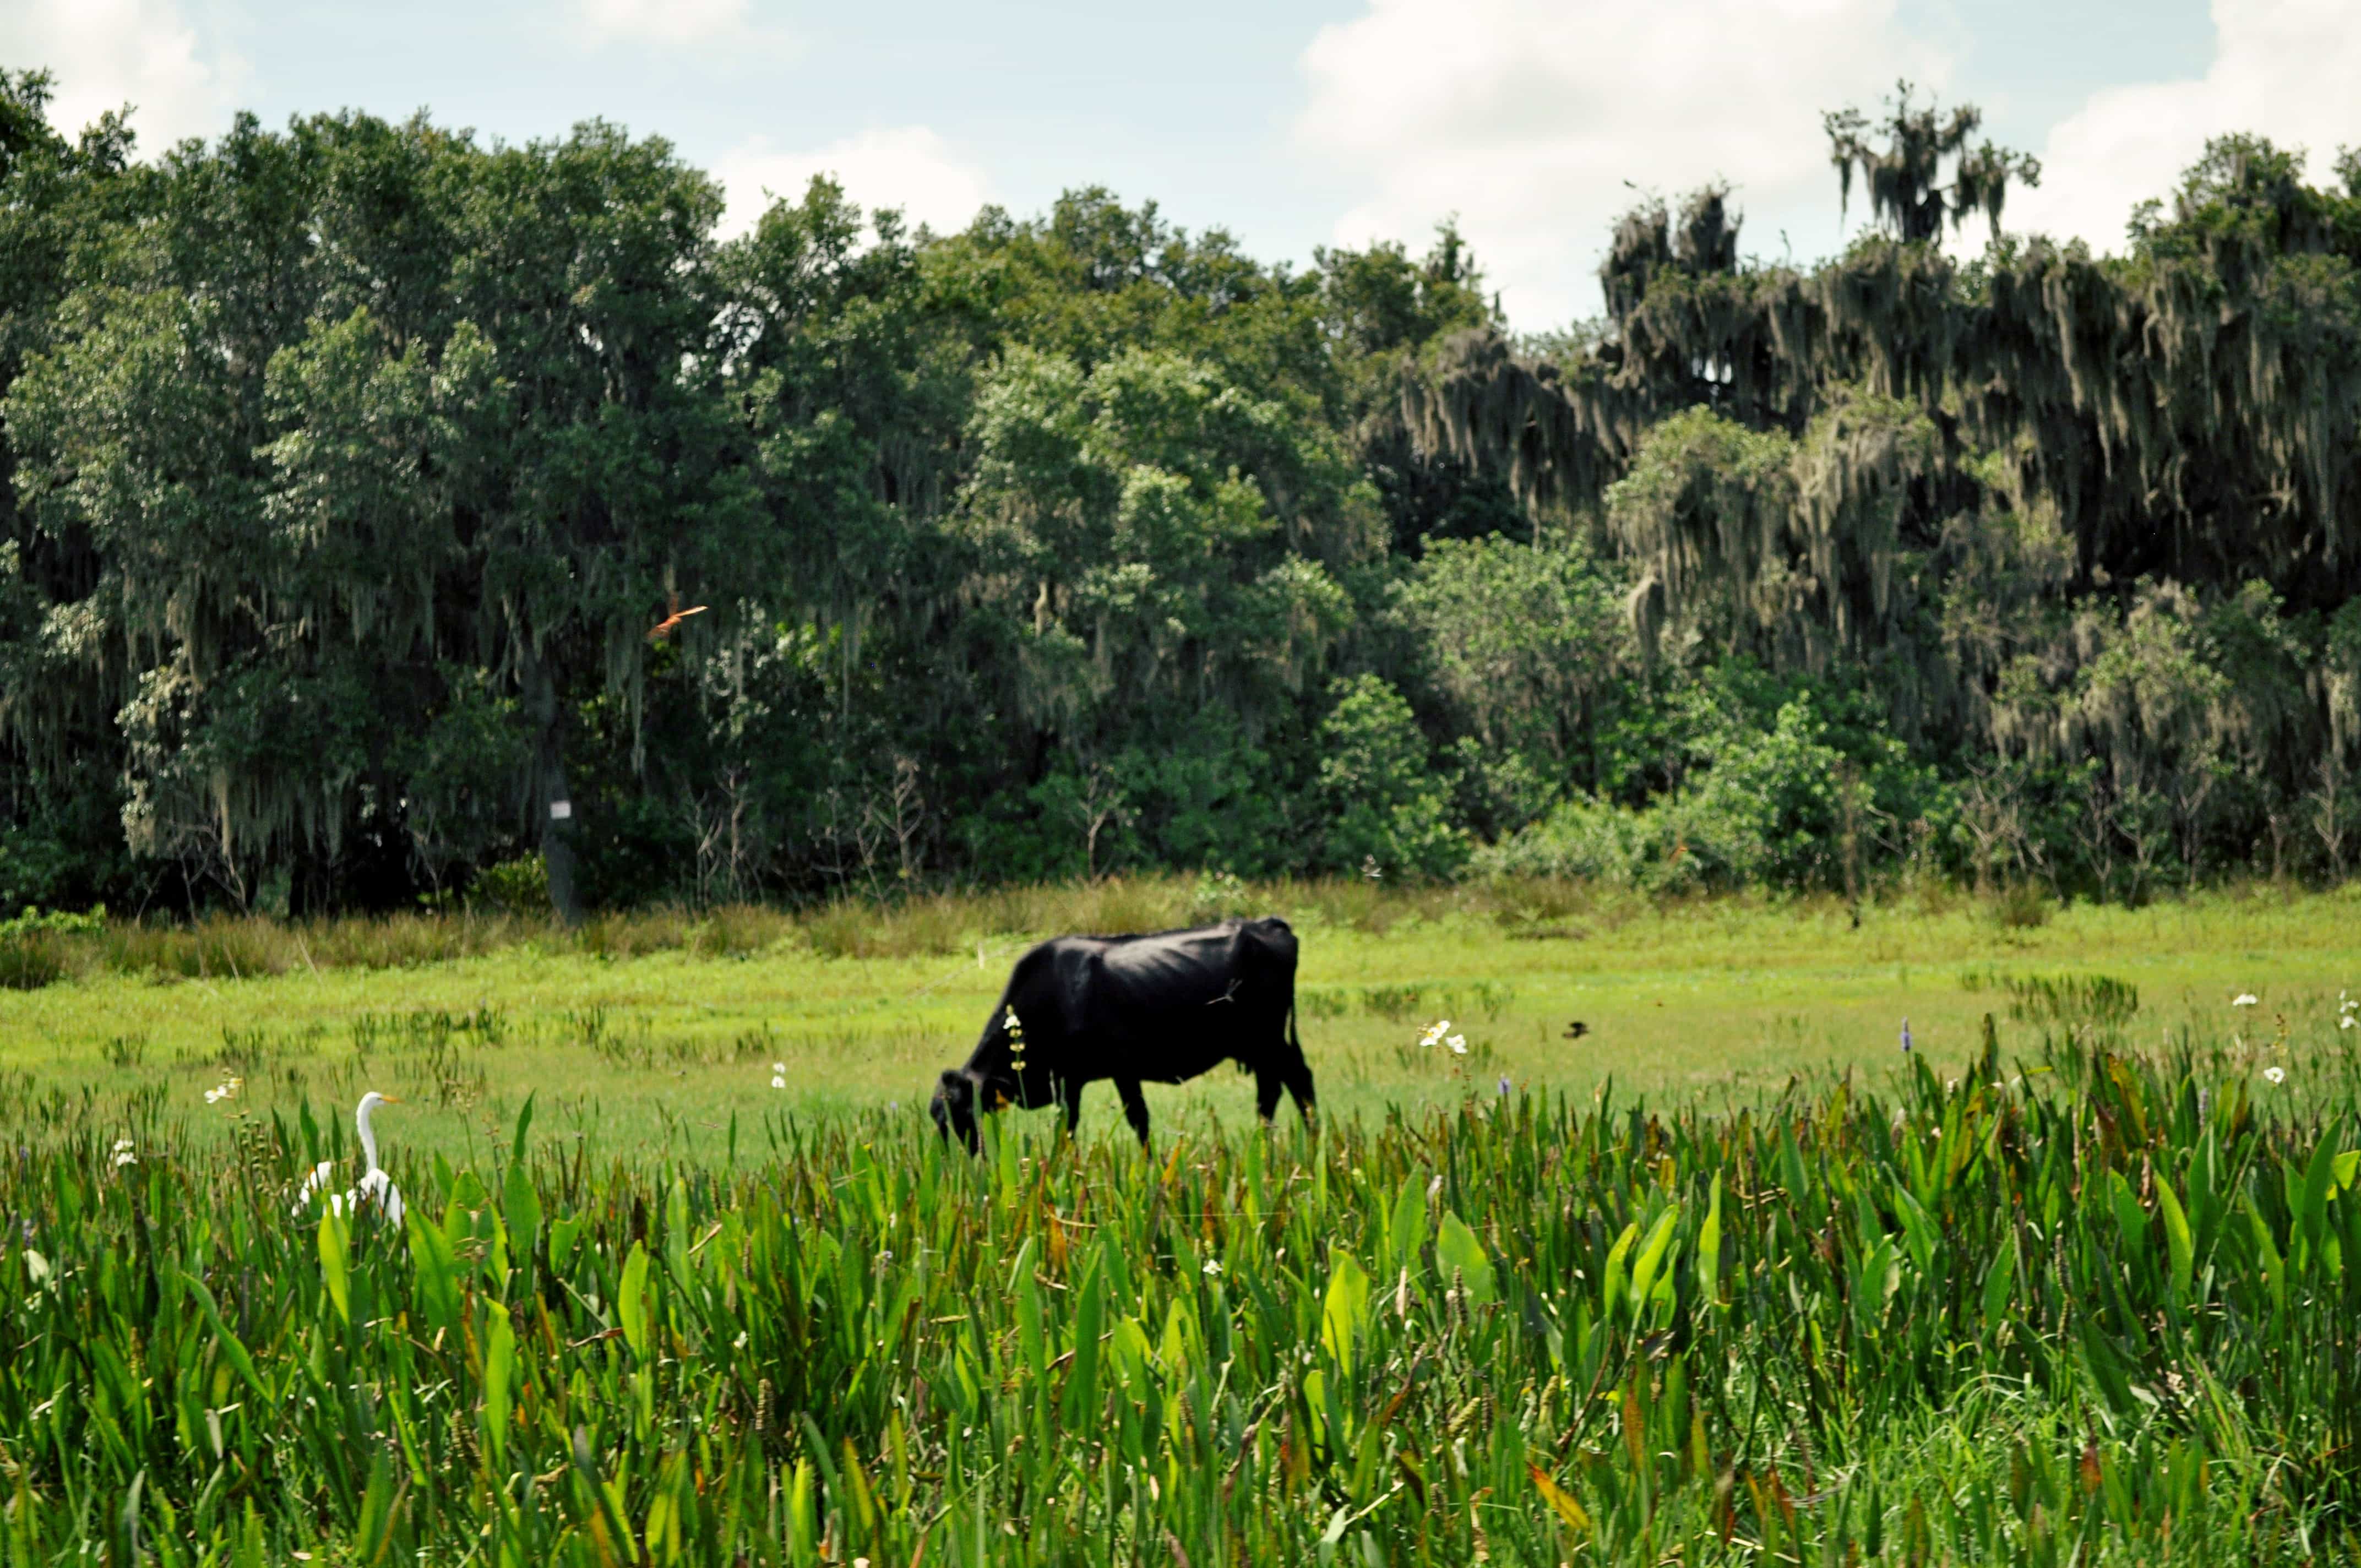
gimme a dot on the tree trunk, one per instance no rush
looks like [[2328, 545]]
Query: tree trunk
[[551, 802]]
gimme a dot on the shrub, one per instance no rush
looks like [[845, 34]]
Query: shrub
[[512, 887], [29, 962], [1390, 810]]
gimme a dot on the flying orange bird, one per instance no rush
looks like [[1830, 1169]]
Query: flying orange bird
[[665, 627]]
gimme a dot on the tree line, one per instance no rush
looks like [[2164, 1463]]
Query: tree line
[[346, 469]]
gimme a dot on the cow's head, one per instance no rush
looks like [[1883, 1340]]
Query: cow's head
[[953, 1107]]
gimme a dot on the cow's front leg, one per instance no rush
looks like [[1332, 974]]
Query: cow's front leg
[[1267, 1086], [1070, 1095], [1135, 1107]]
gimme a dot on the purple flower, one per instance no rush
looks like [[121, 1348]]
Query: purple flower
[[1504, 1086], [1905, 1033]]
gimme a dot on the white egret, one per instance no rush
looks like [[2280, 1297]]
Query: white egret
[[375, 1190]]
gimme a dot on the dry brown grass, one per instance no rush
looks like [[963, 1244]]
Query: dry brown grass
[[917, 926]]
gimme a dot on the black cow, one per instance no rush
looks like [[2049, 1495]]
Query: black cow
[[1150, 1009]]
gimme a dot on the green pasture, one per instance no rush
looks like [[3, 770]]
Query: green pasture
[[659, 1032], [2073, 1286], [2099, 1311]]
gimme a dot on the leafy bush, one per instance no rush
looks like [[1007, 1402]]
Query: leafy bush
[[33, 945], [517, 887], [1388, 809], [1217, 895], [29, 962], [54, 923], [1785, 787]]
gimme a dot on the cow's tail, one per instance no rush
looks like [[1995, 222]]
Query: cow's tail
[[1292, 1037]]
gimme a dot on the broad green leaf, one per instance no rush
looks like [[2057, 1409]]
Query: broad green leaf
[[2131, 1220], [524, 1126], [2267, 1251], [499, 1367], [1179, 1335], [1082, 1395], [335, 1269], [675, 1242], [1463, 1253], [1999, 1286], [564, 1232], [1652, 1256], [437, 1272], [1346, 1309], [1614, 1282], [2319, 1182], [373, 1533], [232, 1350], [1709, 1247], [1917, 1228], [1875, 1283], [1408, 1231], [803, 1523], [1132, 1355], [2180, 1255], [1032, 1340], [521, 1208], [631, 1301]]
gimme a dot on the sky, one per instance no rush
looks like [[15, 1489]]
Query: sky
[[1293, 124]]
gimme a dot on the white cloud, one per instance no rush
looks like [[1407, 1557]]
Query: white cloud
[[665, 21], [2288, 69], [678, 23], [1527, 117], [106, 53], [909, 167]]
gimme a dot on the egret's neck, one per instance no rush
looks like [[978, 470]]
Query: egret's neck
[[369, 1138]]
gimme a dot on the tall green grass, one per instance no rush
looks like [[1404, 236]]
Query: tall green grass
[[2100, 1307]]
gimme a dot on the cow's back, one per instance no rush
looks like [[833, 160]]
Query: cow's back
[[1172, 1004]]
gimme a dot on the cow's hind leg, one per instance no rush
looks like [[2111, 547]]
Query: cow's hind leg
[[1299, 1086], [1135, 1107], [1295, 1071], [1266, 1087]]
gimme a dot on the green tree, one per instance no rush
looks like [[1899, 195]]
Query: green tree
[[1388, 809], [1523, 644]]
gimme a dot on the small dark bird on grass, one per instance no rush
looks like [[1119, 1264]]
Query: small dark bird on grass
[[665, 627], [1576, 1029]]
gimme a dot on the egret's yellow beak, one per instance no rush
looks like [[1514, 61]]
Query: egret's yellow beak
[[389, 1099]]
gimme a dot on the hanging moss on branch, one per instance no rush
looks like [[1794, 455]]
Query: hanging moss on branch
[[1983, 480]]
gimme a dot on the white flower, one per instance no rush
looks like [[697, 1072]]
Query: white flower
[[2347, 1021], [1458, 1044], [1213, 1266], [2275, 1074], [123, 1153], [778, 1080], [2243, 998], [1433, 1035], [779, 1067], [212, 1095]]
